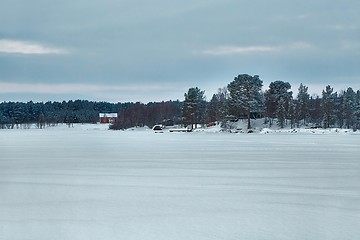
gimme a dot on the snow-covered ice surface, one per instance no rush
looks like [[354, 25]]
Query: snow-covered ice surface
[[85, 183]]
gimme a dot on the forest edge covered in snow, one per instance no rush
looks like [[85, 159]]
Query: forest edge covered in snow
[[242, 106]]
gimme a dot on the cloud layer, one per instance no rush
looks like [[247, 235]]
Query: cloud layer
[[24, 47], [75, 88], [230, 50], [97, 92], [84, 48]]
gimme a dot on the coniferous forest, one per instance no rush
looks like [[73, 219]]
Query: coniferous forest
[[24, 115], [243, 98]]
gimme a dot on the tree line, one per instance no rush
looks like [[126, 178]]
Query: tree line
[[243, 98], [140, 114], [40, 114], [19, 114]]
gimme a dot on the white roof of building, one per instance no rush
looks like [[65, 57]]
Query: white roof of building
[[109, 115]]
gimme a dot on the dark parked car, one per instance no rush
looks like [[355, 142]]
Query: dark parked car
[[157, 128]]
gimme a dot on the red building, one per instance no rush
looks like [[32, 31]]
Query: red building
[[107, 117]]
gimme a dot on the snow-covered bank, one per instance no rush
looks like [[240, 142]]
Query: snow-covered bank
[[86, 183], [258, 126]]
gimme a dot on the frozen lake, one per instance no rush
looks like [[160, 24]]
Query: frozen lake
[[90, 184]]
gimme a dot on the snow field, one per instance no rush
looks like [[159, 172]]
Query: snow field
[[88, 183]]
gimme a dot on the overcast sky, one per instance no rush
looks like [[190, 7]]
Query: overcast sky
[[141, 50]]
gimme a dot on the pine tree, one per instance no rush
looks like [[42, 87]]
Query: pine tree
[[218, 107], [277, 90], [303, 103], [357, 111], [315, 111], [245, 94], [349, 108], [328, 106], [194, 107], [292, 113], [281, 113], [213, 109]]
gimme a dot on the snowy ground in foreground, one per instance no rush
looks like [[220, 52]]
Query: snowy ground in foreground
[[85, 183]]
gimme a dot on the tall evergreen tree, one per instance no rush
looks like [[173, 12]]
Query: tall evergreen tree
[[303, 103], [328, 106], [213, 109], [281, 113], [277, 90], [292, 113], [357, 111], [218, 105], [316, 111], [194, 107], [245, 94], [349, 108]]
